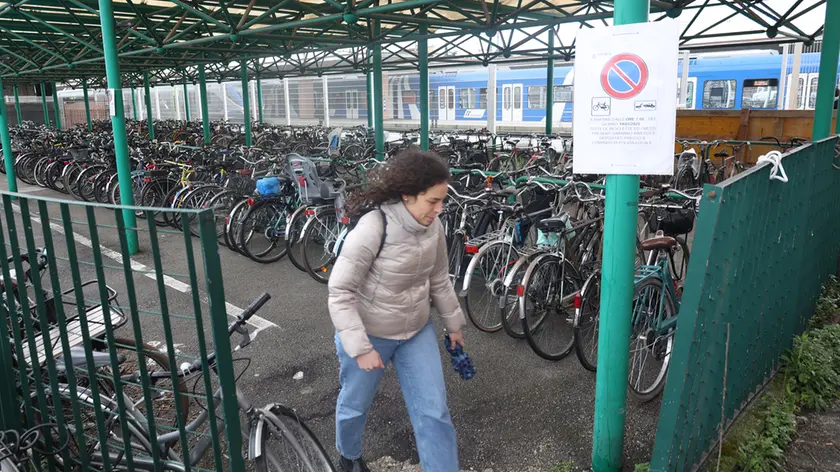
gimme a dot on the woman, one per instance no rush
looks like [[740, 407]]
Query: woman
[[379, 293]]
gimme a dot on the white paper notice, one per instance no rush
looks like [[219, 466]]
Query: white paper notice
[[625, 99], [112, 103]]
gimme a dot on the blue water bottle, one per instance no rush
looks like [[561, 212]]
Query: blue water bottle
[[461, 362]]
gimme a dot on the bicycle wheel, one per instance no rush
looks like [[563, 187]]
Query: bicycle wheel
[[262, 236], [70, 180], [294, 237], [456, 258], [154, 196], [233, 224], [486, 277], [222, 204], [85, 183], [100, 186], [509, 302], [288, 445], [650, 352], [587, 317], [319, 239], [547, 306]]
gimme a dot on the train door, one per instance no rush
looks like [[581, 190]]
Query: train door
[[446, 103], [811, 91], [516, 99], [512, 95], [800, 104]]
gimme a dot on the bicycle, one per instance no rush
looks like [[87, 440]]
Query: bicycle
[[278, 440]]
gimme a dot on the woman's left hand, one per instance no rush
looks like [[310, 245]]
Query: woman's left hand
[[456, 338]]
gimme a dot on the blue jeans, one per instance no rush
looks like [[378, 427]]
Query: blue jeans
[[418, 366]]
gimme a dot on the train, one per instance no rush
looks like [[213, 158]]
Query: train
[[459, 98]]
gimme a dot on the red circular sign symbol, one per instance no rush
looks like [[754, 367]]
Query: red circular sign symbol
[[624, 76]]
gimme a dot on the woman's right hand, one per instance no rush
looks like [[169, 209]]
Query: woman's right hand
[[370, 361]]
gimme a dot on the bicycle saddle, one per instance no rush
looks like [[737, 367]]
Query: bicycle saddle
[[552, 225], [658, 242], [78, 359]]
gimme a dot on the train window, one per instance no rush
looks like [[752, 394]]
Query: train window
[[466, 98], [517, 97], [506, 100], [442, 105], [482, 98], [536, 97], [719, 93], [563, 93], [759, 93], [451, 98]]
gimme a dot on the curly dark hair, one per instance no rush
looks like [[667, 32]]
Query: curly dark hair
[[410, 172]]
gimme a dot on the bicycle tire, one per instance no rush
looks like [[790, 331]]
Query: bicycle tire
[[294, 238], [265, 220], [509, 302], [545, 314], [221, 204], [233, 224], [292, 431], [487, 273], [587, 323], [325, 226], [640, 342]]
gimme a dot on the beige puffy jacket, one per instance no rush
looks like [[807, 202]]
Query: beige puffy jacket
[[388, 296]]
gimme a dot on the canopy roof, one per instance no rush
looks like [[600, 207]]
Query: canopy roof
[[60, 40]]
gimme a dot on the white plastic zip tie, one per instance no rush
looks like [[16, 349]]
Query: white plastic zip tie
[[774, 158]]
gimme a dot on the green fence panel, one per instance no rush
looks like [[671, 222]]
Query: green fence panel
[[71, 292], [761, 250]]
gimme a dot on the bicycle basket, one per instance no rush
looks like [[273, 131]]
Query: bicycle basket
[[673, 221]]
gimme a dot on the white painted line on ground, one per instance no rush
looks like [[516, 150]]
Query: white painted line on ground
[[257, 322]]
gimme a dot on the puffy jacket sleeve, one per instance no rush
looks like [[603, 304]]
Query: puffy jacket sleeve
[[348, 273], [442, 292]]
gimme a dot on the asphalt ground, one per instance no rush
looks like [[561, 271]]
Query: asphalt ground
[[519, 413]]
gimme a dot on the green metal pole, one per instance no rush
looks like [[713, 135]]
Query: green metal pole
[[17, 106], [549, 85], [148, 98], [827, 80], [87, 104], [423, 60], [56, 108], [378, 119], [133, 104], [619, 260], [246, 103], [369, 95], [259, 100], [44, 104], [6, 141], [205, 113], [112, 71], [186, 101]]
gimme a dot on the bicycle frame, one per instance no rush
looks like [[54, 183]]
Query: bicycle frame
[[660, 270]]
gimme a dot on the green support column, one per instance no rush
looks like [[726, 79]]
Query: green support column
[[827, 80], [44, 104], [148, 97], [378, 119], [133, 104], [259, 100], [205, 113], [87, 104], [369, 97], [186, 100], [112, 71], [6, 141], [619, 260], [423, 60], [17, 106], [549, 85], [246, 103], [56, 108]]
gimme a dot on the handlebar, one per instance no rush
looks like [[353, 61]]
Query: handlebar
[[237, 326]]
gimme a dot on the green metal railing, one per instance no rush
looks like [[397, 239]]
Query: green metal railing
[[124, 320], [761, 250]]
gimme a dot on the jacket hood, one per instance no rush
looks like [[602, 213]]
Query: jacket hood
[[400, 213]]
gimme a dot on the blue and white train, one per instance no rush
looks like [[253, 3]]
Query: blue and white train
[[458, 98]]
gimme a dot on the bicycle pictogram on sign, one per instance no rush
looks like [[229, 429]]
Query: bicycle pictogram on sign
[[624, 76]]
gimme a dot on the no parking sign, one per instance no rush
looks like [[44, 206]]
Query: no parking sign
[[625, 99]]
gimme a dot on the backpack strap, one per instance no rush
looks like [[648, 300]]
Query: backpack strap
[[384, 231]]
